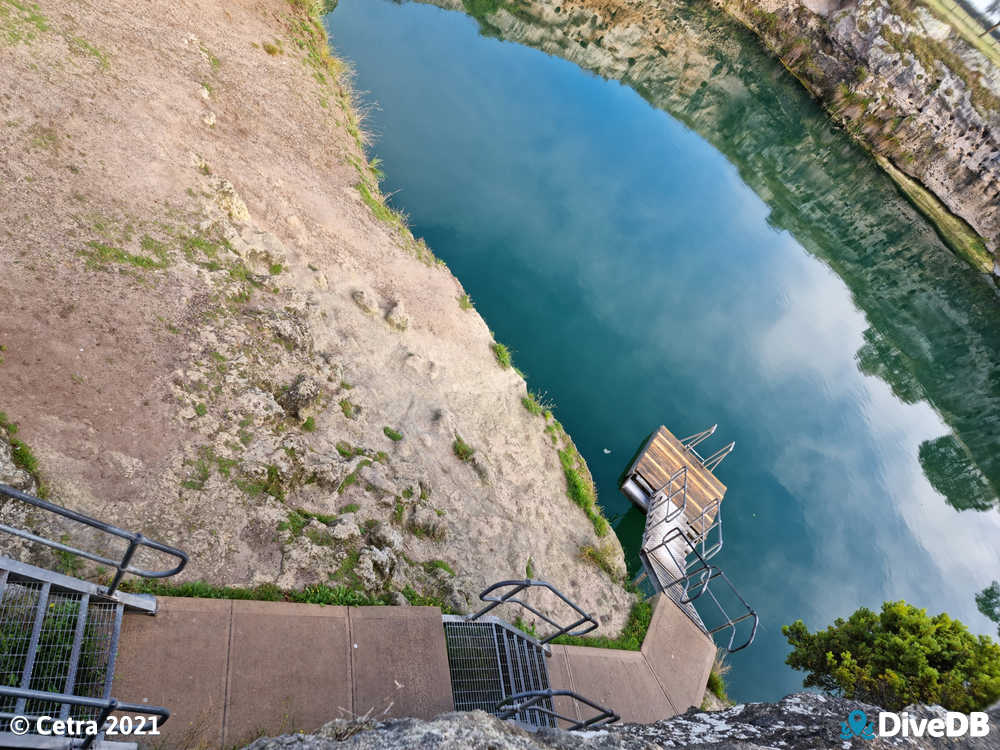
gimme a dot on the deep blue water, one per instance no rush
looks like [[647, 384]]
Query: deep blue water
[[640, 280]]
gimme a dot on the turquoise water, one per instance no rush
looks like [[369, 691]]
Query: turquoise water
[[692, 259]]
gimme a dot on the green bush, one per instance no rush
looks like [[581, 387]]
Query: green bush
[[897, 657]]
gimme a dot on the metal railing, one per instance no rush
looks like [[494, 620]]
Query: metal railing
[[511, 597], [667, 495], [538, 701], [106, 706], [123, 566]]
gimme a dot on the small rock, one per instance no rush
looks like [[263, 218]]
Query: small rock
[[229, 200], [374, 475], [365, 299], [374, 567], [300, 397], [397, 317], [345, 529], [259, 405], [426, 522], [386, 536], [398, 600], [209, 119], [289, 327]]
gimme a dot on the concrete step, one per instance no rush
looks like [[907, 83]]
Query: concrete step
[[231, 671]]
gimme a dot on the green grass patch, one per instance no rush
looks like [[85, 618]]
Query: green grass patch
[[601, 557], [426, 600], [21, 454], [631, 637], [581, 490], [463, 450], [21, 21], [392, 434], [536, 406], [267, 592], [347, 450], [349, 409], [309, 425], [349, 508], [431, 565], [81, 46], [200, 409], [502, 353], [100, 255], [465, 302], [717, 685], [376, 202]]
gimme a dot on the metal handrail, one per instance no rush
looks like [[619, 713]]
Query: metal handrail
[[107, 706], [706, 575], [666, 495], [532, 698], [511, 598], [702, 525], [135, 540]]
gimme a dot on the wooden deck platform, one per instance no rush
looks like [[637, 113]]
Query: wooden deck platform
[[662, 456]]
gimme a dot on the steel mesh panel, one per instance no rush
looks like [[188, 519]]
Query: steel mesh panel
[[474, 665], [488, 662], [17, 616], [53, 662]]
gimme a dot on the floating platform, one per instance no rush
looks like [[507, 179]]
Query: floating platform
[[681, 496], [664, 460]]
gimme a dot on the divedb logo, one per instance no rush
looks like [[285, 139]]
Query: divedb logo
[[952, 724]]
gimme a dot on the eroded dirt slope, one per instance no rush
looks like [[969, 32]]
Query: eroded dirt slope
[[215, 331]]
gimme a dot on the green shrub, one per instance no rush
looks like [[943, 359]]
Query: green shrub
[[392, 434], [897, 657]]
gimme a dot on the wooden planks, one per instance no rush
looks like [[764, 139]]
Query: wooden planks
[[663, 456]]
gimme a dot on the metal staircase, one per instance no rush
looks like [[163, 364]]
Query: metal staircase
[[498, 668], [59, 637]]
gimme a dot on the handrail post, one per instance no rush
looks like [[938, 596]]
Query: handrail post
[[133, 545], [100, 724]]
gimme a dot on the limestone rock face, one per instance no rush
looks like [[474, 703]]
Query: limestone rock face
[[10, 474], [909, 88], [803, 721]]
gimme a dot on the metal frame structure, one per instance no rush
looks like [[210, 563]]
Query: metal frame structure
[[511, 597], [40, 605], [135, 540], [106, 706], [502, 669], [698, 573], [541, 701]]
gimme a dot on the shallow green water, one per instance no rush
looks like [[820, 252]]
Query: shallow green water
[[711, 252]]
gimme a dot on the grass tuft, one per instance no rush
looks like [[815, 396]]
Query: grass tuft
[[392, 434], [502, 353], [462, 449]]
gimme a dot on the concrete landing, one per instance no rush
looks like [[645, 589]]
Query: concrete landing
[[231, 671], [666, 677]]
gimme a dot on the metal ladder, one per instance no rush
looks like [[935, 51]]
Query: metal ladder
[[59, 637], [500, 669]]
